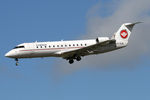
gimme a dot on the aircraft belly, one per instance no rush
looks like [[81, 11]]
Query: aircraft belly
[[48, 53], [33, 54]]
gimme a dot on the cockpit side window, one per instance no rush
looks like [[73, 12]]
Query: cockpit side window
[[18, 47]]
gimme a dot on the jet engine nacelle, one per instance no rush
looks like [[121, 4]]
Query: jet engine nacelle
[[101, 39]]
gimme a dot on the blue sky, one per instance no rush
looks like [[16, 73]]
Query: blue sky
[[35, 79]]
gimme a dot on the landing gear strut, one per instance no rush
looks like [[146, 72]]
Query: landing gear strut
[[16, 59]]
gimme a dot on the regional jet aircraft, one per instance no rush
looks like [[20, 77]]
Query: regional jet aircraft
[[75, 49]]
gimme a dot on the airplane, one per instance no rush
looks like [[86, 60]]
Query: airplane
[[73, 49]]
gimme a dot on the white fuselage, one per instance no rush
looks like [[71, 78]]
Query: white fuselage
[[55, 49], [73, 50]]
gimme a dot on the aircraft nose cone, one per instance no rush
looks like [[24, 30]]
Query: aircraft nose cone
[[10, 54]]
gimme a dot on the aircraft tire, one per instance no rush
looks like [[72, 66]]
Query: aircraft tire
[[17, 63], [71, 61], [78, 58]]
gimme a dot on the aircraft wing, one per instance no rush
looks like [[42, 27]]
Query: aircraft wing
[[86, 50]]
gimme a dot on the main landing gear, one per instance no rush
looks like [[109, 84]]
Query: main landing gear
[[78, 58], [16, 59], [71, 61]]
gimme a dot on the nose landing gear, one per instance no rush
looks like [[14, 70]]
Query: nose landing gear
[[17, 63]]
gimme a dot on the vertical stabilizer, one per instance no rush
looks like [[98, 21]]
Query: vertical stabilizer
[[124, 32]]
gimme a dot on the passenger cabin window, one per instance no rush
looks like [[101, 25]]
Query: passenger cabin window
[[19, 47]]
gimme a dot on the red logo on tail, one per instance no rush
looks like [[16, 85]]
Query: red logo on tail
[[124, 34]]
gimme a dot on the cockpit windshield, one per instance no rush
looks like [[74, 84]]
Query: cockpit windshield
[[18, 47]]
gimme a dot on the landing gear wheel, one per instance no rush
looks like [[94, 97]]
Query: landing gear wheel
[[78, 58], [17, 63], [71, 61]]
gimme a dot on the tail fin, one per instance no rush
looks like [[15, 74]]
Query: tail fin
[[124, 32]]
